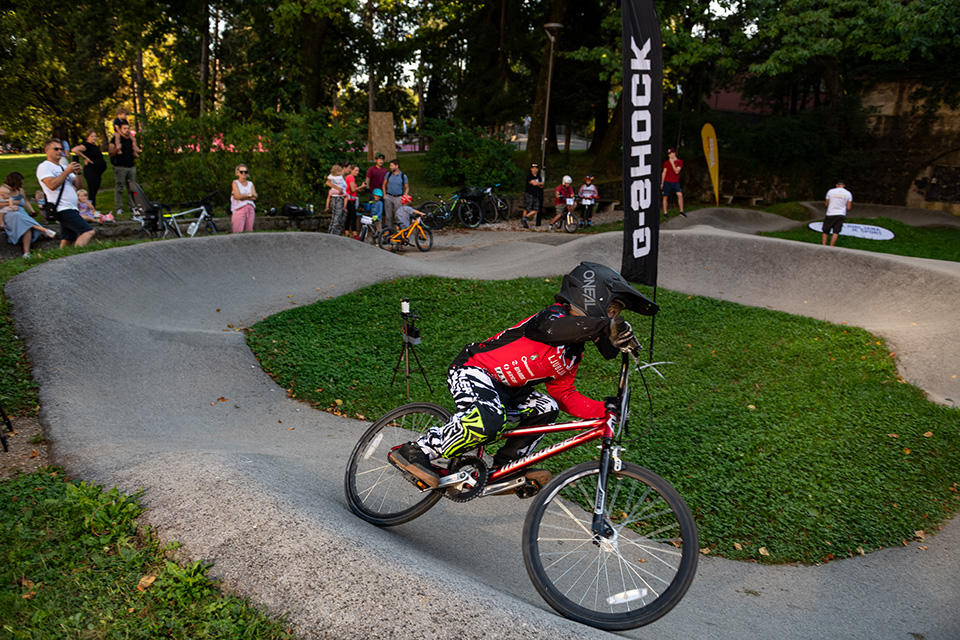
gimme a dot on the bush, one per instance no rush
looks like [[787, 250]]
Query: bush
[[461, 156], [289, 156]]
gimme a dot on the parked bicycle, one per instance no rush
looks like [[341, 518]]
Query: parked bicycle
[[492, 205], [158, 220], [393, 239], [438, 214], [607, 543]]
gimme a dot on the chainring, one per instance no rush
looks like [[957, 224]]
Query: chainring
[[479, 474]]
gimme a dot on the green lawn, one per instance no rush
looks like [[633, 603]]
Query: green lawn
[[780, 431], [26, 164], [919, 242]]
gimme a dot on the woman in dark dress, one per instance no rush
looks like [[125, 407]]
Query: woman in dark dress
[[94, 165]]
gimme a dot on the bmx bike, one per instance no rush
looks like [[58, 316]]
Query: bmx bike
[[607, 543]]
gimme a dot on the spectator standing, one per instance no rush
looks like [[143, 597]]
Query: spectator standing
[[243, 201], [395, 186], [588, 197], [532, 196], [563, 192], [837, 202], [19, 226], [335, 197], [94, 165], [123, 154], [58, 134], [670, 180], [351, 227], [376, 174], [59, 186]]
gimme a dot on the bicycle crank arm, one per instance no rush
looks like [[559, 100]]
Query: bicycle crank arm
[[506, 486], [456, 480]]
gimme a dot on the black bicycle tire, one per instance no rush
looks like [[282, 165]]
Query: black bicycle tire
[[678, 584], [489, 210], [384, 239], [423, 238], [212, 226], [435, 215], [570, 222], [362, 450], [503, 209], [472, 218]]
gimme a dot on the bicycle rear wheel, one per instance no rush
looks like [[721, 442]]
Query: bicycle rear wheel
[[389, 239], [469, 213], [489, 208], [434, 215], [623, 580], [376, 490], [423, 238]]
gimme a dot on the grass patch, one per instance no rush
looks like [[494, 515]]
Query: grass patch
[[27, 164], [918, 242], [781, 431], [81, 569]]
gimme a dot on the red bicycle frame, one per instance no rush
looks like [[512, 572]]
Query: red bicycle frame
[[595, 429]]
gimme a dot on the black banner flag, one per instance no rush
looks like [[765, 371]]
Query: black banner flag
[[642, 102]]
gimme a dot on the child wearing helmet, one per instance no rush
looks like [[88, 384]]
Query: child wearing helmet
[[493, 382], [376, 208], [405, 213], [564, 195]]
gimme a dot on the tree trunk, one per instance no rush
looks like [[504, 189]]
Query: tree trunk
[[141, 101], [314, 30], [611, 141], [371, 74], [600, 125], [204, 55], [537, 117]]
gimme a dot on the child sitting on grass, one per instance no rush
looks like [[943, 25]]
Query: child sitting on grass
[[87, 212]]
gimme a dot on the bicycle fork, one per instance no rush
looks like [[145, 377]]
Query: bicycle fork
[[609, 456]]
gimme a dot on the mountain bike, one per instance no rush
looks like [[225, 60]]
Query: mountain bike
[[607, 543], [394, 239], [438, 214], [492, 205]]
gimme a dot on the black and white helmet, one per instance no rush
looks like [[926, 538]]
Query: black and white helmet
[[591, 287]]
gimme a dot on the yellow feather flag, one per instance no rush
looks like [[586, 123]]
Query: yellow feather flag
[[709, 137]]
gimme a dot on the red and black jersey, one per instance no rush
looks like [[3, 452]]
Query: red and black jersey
[[546, 347]]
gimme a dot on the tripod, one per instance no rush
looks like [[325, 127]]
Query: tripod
[[411, 337]]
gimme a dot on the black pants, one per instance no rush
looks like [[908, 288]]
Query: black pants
[[93, 176]]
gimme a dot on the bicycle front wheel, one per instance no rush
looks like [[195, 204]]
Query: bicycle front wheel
[[212, 226], [423, 238], [635, 573], [376, 490], [570, 222], [434, 215], [469, 214]]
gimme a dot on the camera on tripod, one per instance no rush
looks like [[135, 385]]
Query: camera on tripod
[[411, 337], [411, 332]]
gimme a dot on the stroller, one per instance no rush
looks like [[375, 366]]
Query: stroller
[[145, 212], [155, 217]]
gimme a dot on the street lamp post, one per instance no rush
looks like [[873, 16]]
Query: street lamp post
[[550, 26]]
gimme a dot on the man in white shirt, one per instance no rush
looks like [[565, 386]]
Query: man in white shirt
[[838, 202], [53, 177]]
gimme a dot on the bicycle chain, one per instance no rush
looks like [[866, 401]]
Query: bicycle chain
[[481, 477]]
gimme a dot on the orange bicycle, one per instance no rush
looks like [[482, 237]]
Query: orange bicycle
[[393, 239]]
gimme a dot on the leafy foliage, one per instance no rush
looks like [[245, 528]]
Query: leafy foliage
[[781, 432], [289, 156], [461, 155]]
